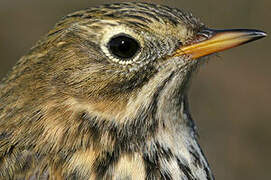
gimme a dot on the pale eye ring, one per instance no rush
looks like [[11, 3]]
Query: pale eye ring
[[123, 48]]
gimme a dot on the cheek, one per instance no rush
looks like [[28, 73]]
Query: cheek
[[102, 82], [121, 82]]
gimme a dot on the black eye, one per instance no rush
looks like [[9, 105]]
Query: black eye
[[123, 46]]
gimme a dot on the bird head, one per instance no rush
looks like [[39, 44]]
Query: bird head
[[118, 62], [116, 57]]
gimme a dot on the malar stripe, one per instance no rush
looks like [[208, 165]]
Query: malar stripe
[[164, 152], [185, 169]]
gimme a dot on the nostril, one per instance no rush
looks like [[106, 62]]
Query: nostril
[[207, 33]]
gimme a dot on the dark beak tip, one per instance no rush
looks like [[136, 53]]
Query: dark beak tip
[[262, 34], [258, 33]]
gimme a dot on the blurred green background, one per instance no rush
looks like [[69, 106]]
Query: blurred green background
[[230, 96]]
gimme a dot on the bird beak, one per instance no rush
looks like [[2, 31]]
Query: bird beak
[[210, 41]]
